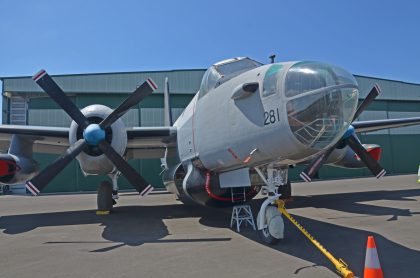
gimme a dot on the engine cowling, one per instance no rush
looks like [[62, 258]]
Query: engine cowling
[[92, 161], [15, 169], [351, 160], [195, 184]]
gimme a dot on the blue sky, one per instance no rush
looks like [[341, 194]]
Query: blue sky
[[374, 38]]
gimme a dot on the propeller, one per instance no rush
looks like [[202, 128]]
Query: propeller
[[364, 155], [54, 91], [350, 139], [138, 95], [93, 135]]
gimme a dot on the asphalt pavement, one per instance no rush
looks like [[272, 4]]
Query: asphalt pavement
[[157, 236]]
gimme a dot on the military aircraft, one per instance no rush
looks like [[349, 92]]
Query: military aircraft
[[248, 123]]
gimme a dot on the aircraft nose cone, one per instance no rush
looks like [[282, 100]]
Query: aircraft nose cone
[[94, 134]]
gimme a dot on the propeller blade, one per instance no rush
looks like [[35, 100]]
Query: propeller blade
[[313, 167], [36, 184], [54, 91], [137, 181], [364, 155], [369, 98], [145, 90]]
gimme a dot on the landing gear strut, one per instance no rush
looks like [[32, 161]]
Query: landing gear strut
[[269, 219], [114, 177]]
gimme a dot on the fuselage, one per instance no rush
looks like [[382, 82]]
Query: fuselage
[[298, 110]]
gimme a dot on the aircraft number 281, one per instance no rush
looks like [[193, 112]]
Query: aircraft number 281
[[271, 116]]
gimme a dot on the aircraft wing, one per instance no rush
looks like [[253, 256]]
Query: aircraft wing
[[52, 140], [143, 142], [373, 125], [149, 142]]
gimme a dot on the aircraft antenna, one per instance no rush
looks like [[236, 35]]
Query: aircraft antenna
[[272, 57]]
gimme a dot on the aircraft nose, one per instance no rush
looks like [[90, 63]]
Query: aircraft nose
[[322, 102]]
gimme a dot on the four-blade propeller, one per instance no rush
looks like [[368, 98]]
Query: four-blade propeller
[[93, 135], [350, 139]]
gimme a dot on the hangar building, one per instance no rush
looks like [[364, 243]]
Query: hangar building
[[24, 103]]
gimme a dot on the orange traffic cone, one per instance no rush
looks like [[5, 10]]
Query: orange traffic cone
[[372, 266]]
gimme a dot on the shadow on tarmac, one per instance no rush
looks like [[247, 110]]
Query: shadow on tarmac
[[126, 225], [347, 243], [135, 225]]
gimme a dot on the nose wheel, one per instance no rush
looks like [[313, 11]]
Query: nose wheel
[[270, 222], [269, 219], [268, 238]]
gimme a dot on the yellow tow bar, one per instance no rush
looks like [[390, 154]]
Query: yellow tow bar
[[339, 264]]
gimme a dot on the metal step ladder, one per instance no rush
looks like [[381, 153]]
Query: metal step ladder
[[238, 194], [242, 214]]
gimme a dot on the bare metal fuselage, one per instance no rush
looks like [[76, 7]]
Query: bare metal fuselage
[[223, 132]]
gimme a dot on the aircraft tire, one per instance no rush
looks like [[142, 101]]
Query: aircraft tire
[[104, 198], [269, 239]]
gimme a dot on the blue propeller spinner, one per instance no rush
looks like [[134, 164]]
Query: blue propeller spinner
[[349, 132], [94, 134]]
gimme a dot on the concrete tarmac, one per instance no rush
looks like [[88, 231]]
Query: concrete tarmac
[[157, 236]]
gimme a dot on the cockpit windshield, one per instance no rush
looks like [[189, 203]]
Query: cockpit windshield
[[323, 100], [235, 66], [225, 70], [309, 76]]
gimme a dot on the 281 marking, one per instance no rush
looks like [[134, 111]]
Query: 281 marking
[[271, 116]]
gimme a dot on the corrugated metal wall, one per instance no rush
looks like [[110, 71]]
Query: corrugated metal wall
[[398, 99], [181, 82], [391, 89]]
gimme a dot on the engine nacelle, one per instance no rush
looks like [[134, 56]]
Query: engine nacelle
[[92, 161], [15, 169], [351, 160], [193, 183]]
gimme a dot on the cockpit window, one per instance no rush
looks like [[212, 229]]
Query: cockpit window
[[209, 81], [321, 117], [308, 76], [236, 66], [270, 80], [223, 71]]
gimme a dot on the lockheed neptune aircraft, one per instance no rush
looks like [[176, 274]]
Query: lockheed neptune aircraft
[[246, 126]]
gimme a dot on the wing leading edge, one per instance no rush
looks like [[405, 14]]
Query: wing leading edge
[[143, 142], [373, 125], [150, 142], [51, 140]]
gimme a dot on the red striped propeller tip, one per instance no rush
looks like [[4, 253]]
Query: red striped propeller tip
[[152, 84], [377, 87], [39, 75], [32, 188]]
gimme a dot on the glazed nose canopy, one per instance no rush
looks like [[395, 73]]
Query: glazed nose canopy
[[322, 102], [94, 134]]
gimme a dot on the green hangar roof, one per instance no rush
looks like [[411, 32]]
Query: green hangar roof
[[181, 82]]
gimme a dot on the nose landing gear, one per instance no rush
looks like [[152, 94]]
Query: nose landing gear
[[269, 219]]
